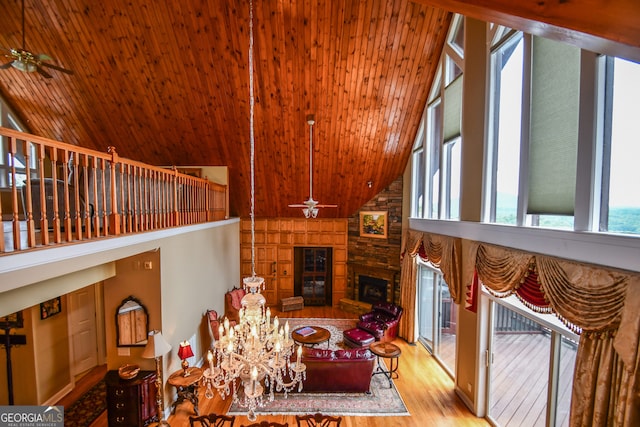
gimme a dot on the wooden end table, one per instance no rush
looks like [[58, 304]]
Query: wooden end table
[[386, 350], [319, 336], [187, 387]]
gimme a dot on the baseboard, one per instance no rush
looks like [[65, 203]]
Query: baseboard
[[59, 395], [468, 403]]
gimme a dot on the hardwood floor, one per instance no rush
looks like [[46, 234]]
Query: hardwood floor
[[426, 389]]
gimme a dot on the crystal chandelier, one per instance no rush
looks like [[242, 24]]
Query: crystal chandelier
[[252, 360]]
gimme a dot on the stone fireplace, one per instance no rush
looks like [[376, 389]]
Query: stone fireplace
[[372, 284]]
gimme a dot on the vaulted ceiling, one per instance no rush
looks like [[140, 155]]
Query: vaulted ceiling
[[167, 83]]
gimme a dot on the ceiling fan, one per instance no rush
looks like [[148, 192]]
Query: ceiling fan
[[28, 62], [310, 206]]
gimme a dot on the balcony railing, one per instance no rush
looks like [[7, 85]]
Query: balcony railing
[[55, 193]]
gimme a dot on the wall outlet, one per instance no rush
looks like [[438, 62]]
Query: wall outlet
[[469, 387]]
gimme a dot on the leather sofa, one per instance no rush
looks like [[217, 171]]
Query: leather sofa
[[382, 321], [346, 370]]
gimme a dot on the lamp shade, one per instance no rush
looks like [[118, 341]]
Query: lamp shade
[[185, 351], [156, 346]]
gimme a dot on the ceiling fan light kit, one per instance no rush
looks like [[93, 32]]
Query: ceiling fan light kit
[[28, 62], [310, 206]]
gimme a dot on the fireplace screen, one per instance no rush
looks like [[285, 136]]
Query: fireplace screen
[[372, 289]]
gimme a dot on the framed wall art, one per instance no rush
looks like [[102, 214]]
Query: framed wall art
[[50, 308], [373, 224]]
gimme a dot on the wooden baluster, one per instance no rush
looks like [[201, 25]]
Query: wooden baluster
[[27, 200], [96, 206], [44, 222], [15, 218], [129, 216], [102, 168], [136, 202], [67, 207], [57, 238], [145, 218], [88, 202], [76, 195]]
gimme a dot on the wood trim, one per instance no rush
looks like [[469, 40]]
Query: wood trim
[[593, 24]]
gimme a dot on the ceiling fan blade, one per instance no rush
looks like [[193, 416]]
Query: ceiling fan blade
[[55, 67], [326, 206], [298, 206], [43, 57], [6, 66], [43, 73]]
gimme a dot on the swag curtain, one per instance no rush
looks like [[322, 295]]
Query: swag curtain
[[441, 251], [601, 303]]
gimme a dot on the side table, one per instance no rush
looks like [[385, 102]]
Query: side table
[[187, 387], [386, 350]]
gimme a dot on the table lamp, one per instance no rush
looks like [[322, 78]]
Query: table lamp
[[157, 347], [185, 352]]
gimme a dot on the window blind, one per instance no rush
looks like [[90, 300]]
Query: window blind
[[452, 109], [553, 141]]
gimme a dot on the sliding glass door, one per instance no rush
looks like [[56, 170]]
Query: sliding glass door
[[530, 373], [437, 316]]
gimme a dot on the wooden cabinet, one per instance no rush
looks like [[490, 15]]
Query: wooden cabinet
[[275, 240], [131, 402]]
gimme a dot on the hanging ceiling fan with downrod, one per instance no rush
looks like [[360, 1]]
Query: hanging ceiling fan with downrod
[[28, 62], [310, 206]]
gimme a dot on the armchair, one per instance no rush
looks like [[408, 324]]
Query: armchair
[[382, 321], [232, 304]]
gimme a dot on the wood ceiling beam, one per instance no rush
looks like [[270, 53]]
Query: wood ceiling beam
[[606, 26]]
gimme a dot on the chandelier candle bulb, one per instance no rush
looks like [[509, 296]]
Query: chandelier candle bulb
[[299, 353]]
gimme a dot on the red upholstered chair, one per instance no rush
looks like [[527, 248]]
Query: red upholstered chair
[[382, 321], [232, 304], [214, 323]]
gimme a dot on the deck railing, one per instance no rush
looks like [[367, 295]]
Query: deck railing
[[55, 193]]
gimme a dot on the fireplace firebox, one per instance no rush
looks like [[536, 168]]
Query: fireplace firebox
[[371, 289]]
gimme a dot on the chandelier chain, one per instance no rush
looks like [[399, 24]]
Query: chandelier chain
[[252, 137]]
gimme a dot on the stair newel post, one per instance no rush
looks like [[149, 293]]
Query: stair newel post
[[114, 217]]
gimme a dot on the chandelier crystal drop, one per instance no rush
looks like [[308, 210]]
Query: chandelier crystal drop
[[252, 359]]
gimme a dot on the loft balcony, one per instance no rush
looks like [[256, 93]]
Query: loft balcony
[[54, 194]]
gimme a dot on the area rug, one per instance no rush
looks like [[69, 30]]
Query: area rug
[[383, 401], [88, 407]]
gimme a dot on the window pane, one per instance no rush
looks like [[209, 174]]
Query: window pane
[[508, 95], [434, 117], [425, 306], [454, 152], [624, 198], [520, 370], [568, 351], [448, 313], [418, 183]]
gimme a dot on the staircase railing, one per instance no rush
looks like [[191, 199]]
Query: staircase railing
[[55, 193]]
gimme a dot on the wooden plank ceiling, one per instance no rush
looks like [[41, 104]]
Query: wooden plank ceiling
[[167, 83]]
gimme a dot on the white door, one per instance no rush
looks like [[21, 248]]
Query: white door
[[82, 329]]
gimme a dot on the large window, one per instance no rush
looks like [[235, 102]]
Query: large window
[[440, 155], [437, 316], [418, 180], [535, 175], [530, 370], [620, 199], [501, 203]]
